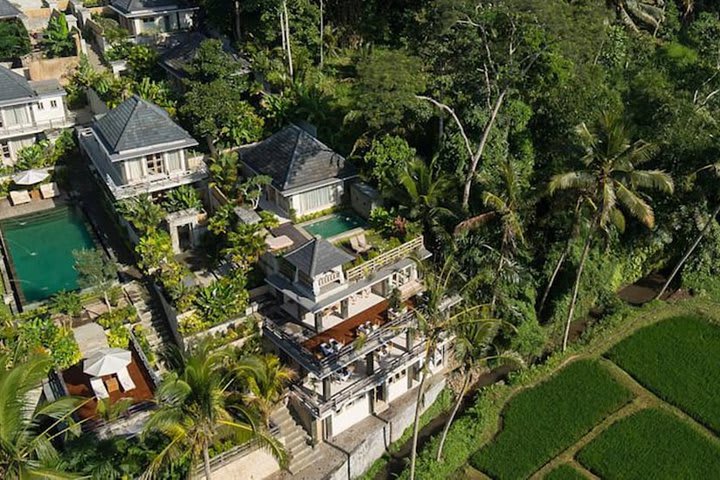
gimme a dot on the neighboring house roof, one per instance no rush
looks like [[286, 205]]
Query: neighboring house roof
[[132, 6], [137, 124], [293, 158], [175, 59], [14, 87], [317, 256], [8, 10], [247, 216]]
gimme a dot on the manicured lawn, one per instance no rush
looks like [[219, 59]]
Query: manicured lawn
[[565, 472], [541, 422], [677, 360], [651, 444]]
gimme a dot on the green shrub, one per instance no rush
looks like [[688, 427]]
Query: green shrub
[[565, 472], [651, 444], [678, 360], [541, 422]]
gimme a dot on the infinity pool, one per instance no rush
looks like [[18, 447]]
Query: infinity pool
[[334, 224], [40, 246]]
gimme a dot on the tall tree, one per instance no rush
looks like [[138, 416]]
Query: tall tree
[[611, 180], [95, 271], [264, 378]]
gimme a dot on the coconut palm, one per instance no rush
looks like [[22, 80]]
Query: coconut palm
[[26, 430], [265, 379], [196, 408], [610, 181]]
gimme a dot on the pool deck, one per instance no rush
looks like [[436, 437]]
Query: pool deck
[[36, 205]]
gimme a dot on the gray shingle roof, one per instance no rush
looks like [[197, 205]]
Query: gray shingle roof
[[14, 86], [8, 10], [294, 158], [175, 59], [317, 256], [138, 124], [130, 6]]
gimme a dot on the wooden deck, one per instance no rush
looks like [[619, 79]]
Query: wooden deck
[[78, 384], [346, 332]]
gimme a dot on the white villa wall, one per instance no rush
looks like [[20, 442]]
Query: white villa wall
[[254, 466], [300, 201], [350, 415], [398, 386], [48, 113]]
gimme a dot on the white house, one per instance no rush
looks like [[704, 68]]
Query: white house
[[307, 175], [27, 111], [152, 17]]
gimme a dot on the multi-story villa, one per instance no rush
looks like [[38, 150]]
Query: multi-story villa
[[307, 175], [137, 149], [152, 17], [347, 331], [28, 110]]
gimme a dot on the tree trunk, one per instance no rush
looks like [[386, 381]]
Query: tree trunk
[[481, 148], [450, 419], [416, 423], [287, 38], [559, 265], [238, 29], [689, 251], [107, 301], [322, 35], [206, 463], [576, 287]]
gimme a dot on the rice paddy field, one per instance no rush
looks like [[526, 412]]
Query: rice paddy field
[[646, 408]]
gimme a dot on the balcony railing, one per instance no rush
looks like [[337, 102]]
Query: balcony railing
[[384, 259], [33, 127], [160, 182], [236, 453]]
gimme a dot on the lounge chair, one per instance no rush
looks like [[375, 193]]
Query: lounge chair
[[99, 387], [125, 381], [19, 197], [49, 190], [359, 244], [326, 349]]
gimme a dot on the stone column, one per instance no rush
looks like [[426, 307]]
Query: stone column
[[345, 308], [370, 363], [326, 390], [318, 322]]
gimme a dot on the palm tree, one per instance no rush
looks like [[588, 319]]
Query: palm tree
[[473, 343], [265, 378], [196, 408], [27, 431], [436, 318], [610, 180], [715, 169]]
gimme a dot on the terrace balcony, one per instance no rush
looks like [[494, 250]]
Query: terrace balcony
[[414, 247]]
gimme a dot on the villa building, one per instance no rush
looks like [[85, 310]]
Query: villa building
[[8, 11], [347, 331], [307, 176], [137, 149], [28, 110], [153, 17]]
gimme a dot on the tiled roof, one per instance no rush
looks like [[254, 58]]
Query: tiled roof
[[8, 10], [317, 256], [14, 86], [293, 158], [137, 124], [176, 58]]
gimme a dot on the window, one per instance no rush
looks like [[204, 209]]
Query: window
[[53, 103], [154, 163], [5, 149], [41, 106], [16, 116]]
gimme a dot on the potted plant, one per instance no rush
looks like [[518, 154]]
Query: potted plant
[[395, 302]]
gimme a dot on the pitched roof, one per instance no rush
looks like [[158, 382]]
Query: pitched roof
[[130, 6], [8, 10], [293, 158], [175, 59], [317, 256], [138, 124], [14, 86]]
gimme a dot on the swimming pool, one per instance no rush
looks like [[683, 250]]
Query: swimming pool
[[334, 224], [40, 246]]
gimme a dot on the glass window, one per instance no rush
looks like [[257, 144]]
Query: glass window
[[16, 116], [53, 103], [154, 163], [5, 149], [41, 106]]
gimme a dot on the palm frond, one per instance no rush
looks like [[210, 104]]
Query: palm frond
[[652, 179], [635, 205], [473, 222], [571, 181]]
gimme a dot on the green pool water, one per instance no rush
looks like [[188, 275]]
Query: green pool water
[[334, 225], [40, 250]]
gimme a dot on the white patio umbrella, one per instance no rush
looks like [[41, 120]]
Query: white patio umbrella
[[30, 177], [107, 361]]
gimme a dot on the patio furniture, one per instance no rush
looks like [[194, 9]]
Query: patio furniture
[[335, 345], [112, 385], [125, 380], [99, 387], [359, 244], [30, 177], [19, 197], [326, 349], [107, 361], [49, 190]]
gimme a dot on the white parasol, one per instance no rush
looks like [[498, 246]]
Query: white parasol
[[107, 361], [30, 177]]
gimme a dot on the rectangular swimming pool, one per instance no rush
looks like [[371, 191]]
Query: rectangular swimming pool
[[334, 224], [40, 246]]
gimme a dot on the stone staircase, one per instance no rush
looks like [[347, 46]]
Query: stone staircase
[[295, 440], [152, 319]]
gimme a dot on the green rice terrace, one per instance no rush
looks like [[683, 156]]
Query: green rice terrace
[[646, 407]]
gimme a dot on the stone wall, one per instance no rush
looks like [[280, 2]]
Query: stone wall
[[255, 466]]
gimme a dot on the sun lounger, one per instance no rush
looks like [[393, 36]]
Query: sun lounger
[[49, 190], [99, 387], [19, 197], [326, 349], [125, 381], [359, 244]]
